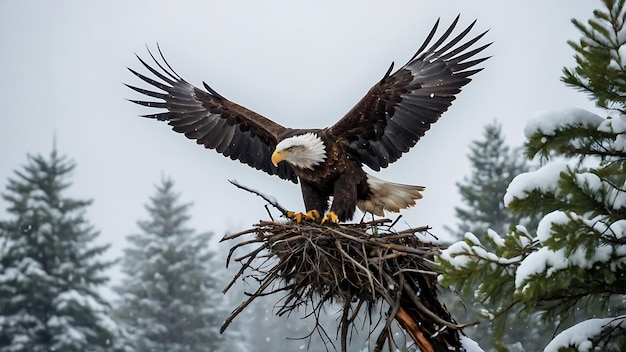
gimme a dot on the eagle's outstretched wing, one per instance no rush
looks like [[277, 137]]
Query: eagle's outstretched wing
[[212, 120], [398, 110]]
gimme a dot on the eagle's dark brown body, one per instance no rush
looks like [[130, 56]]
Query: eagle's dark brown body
[[341, 177]]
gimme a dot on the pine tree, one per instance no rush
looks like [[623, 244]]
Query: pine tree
[[50, 270], [572, 267], [600, 57], [170, 299], [494, 164]]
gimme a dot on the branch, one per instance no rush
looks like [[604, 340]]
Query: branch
[[271, 200]]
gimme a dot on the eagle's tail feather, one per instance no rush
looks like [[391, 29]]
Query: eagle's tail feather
[[388, 196]]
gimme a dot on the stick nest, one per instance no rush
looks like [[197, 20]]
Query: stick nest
[[355, 265]]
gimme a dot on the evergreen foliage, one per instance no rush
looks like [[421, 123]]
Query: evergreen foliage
[[50, 269], [494, 165], [600, 57], [571, 269], [170, 298]]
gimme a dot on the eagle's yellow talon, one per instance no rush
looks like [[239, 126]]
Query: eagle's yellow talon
[[297, 217], [312, 215], [330, 217]]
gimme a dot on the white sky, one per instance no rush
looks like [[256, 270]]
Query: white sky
[[62, 65]]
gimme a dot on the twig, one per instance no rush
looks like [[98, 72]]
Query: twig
[[235, 235], [268, 199]]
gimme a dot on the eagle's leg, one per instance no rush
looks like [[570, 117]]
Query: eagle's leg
[[315, 201], [344, 200]]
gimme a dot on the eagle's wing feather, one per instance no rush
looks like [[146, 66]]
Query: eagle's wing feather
[[398, 110], [212, 120]]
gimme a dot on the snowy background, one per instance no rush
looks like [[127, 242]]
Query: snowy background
[[63, 64]]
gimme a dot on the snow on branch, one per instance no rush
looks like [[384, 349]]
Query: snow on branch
[[549, 121], [588, 334], [544, 180]]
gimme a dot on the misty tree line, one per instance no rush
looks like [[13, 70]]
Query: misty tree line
[[52, 271], [52, 275]]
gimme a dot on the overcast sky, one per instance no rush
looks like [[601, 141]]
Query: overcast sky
[[62, 65]]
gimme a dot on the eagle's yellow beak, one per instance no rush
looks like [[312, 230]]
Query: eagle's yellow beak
[[278, 156]]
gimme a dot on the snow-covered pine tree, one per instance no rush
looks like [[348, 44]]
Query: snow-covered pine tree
[[572, 267], [493, 166], [50, 269], [170, 300]]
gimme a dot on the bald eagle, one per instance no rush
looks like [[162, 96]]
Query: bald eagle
[[389, 120]]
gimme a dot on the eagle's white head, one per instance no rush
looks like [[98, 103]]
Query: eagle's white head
[[304, 151]]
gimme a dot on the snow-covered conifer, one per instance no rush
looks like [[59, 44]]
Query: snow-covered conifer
[[50, 269], [493, 166], [170, 299], [571, 268]]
